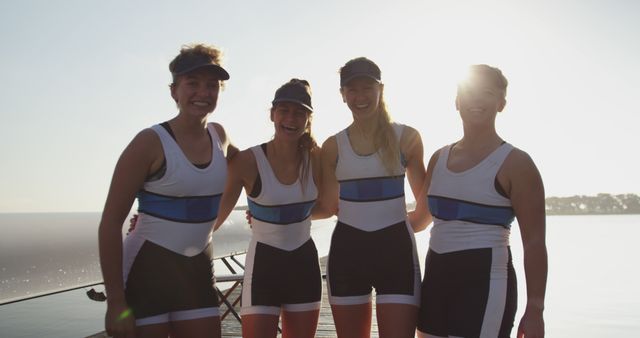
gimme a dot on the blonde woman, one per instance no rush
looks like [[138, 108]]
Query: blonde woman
[[372, 247]]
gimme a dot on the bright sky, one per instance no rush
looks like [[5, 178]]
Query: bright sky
[[81, 78]]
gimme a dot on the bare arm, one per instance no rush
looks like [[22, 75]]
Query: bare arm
[[421, 217], [318, 211], [327, 204], [411, 146], [242, 171], [521, 179], [229, 149], [141, 157]]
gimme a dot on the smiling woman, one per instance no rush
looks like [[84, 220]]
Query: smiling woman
[[280, 178], [177, 171], [475, 188]]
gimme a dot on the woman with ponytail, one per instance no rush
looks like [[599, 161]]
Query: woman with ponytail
[[372, 246], [280, 178]]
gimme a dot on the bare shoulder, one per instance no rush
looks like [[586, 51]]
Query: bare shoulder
[[142, 156], [409, 133], [147, 136], [434, 157], [519, 173], [220, 130], [411, 142], [244, 159], [329, 152], [330, 143], [243, 167], [230, 149], [518, 161], [316, 153], [146, 144]]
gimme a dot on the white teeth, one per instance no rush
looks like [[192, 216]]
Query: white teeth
[[200, 103], [362, 106]]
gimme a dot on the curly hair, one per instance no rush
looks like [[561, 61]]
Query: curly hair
[[210, 51]]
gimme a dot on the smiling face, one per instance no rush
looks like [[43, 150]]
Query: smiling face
[[362, 96], [479, 100], [196, 93], [291, 120]]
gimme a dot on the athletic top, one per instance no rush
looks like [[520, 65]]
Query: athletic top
[[370, 198], [281, 212], [177, 211], [468, 212]]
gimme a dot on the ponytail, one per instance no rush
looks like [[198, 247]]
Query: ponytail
[[386, 141]]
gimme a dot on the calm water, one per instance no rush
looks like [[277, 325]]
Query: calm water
[[591, 291]]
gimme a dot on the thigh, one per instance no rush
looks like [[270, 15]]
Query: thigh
[[483, 304], [347, 275], [301, 280], [259, 326], [352, 321], [435, 290], [396, 320], [299, 324], [147, 286], [264, 274], [162, 281], [395, 267]]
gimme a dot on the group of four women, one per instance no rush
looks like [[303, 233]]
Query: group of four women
[[187, 177]]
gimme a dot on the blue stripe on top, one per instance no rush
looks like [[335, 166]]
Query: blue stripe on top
[[188, 209], [372, 189], [449, 209], [281, 214]]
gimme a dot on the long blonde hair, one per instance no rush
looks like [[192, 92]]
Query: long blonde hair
[[385, 140]]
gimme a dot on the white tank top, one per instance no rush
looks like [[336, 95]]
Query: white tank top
[[281, 212], [177, 211], [468, 212], [370, 198]]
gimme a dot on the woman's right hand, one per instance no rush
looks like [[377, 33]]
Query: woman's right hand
[[132, 223], [248, 216], [119, 321]]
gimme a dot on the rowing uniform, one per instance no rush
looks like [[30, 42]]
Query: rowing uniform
[[372, 245], [469, 288], [167, 257], [282, 270]]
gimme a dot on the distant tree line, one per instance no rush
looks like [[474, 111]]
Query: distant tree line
[[601, 204]]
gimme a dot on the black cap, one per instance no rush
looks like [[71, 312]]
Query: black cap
[[191, 62], [296, 91], [359, 67]]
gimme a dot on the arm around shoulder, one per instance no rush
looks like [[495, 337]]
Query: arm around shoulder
[[242, 170], [229, 149]]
